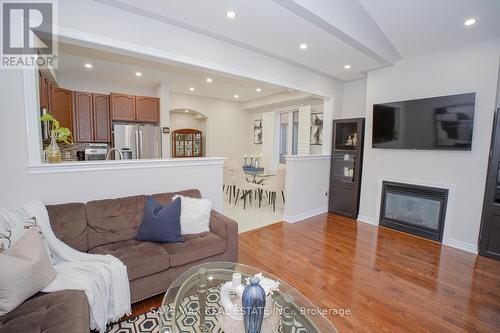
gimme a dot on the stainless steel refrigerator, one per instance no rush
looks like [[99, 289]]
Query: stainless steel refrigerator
[[143, 140]]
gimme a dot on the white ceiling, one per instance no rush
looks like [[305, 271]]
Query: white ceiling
[[417, 27], [366, 34], [119, 70]]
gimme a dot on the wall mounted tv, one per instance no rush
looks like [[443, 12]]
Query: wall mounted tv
[[443, 123]]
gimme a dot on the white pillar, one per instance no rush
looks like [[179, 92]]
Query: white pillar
[[162, 91]]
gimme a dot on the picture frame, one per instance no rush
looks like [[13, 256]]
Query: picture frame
[[316, 132], [257, 132]]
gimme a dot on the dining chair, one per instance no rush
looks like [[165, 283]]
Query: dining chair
[[245, 186], [275, 185], [228, 182]]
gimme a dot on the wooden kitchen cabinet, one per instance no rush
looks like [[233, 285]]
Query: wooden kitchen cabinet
[[102, 122], [44, 86], [61, 106], [83, 117], [91, 115], [122, 107], [147, 109]]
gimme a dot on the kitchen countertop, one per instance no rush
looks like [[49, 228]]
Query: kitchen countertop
[[81, 166]]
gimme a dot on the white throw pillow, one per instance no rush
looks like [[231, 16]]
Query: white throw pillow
[[11, 235], [26, 269], [195, 215]]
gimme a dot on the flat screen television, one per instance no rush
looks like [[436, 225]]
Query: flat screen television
[[444, 123]]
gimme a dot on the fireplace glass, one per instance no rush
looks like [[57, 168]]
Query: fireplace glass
[[420, 212]]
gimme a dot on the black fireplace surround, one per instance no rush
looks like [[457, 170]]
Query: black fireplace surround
[[414, 209]]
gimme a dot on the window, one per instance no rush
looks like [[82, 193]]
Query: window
[[288, 140]]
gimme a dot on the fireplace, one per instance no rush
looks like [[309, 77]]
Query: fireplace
[[415, 209]]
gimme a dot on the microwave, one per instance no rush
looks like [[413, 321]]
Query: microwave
[[96, 152]]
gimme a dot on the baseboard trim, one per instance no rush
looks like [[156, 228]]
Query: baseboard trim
[[306, 215], [367, 219], [467, 247]]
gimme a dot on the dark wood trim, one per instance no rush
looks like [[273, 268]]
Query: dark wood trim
[[489, 234]]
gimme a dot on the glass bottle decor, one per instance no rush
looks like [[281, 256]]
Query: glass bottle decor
[[253, 303], [53, 151]]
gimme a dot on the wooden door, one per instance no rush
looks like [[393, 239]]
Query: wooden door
[[147, 109], [61, 106], [102, 123], [83, 117], [122, 107], [489, 236]]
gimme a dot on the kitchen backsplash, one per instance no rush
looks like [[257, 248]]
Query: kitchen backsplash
[[68, 152]]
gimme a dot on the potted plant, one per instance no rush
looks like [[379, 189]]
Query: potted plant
[[57, 134]]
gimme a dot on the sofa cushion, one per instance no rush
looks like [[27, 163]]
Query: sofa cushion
[[114, 220], [166, 198], [69, 222], [141, 258], [57, 312], [195, 247]]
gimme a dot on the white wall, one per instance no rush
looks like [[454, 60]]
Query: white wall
[[307, 186], [228, 133], [354, 99], [469, 69]]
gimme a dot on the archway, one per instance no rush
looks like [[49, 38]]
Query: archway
[[188, 121]]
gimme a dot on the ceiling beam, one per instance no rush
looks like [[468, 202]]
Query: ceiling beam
[[348, 21]]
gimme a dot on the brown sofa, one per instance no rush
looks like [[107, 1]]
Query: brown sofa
[[108, 227]]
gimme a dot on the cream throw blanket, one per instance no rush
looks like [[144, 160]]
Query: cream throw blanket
[[103, 278]]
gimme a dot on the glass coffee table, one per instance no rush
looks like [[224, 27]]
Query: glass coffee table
[[192, 304]]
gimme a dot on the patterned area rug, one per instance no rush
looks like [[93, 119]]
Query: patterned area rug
[[189, 318]]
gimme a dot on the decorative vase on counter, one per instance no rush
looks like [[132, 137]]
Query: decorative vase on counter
[[53, 152], [253, 303]]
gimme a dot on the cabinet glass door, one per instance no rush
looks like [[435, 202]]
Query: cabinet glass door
[[345, 166]]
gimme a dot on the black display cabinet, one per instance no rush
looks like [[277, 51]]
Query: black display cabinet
[[346, 165]]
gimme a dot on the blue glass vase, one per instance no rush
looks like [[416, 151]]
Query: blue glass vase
[[253, 302]]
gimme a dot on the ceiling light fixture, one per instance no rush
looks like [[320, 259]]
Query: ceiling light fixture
[[258, 90], [347, 66], [303, 46], [209, 79], [236, 96], [186, 111], [230, 14], [470, 21], [191, 88], [88, 65], [138, 74]]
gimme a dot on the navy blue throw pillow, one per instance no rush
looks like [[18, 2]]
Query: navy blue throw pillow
[[160, 224]]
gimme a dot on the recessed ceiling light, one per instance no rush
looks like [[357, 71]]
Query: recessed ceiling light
[[191, 88], [231, 14], [347, 66], [138, 74], [88, 65], [209, 79], [258, 90], [236, 96], [186, 111], [470, 21], [303, 46]]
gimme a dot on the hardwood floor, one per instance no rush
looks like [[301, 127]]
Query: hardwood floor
[[390, 281]]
